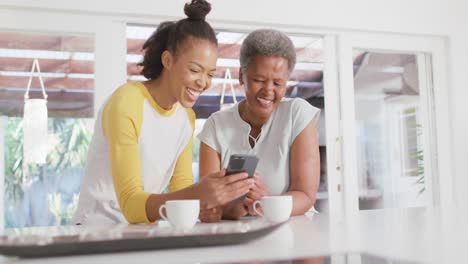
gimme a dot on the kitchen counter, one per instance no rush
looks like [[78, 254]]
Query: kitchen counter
[[408, 234]]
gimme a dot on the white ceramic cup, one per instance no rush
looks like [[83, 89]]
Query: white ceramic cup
[[275, 208], [181, 213]]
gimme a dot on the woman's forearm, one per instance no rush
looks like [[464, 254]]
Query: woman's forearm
[[301, 202]]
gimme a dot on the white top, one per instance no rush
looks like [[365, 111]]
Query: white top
[[227, 134], [137, 149]]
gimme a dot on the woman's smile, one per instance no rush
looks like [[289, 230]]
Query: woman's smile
[[264, 102], [192, 94]]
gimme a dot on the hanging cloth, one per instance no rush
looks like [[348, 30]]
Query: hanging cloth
[[35, 122], [227, 79]]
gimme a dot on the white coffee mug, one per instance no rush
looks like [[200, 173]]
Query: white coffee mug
[[275, 208], [181, 213]]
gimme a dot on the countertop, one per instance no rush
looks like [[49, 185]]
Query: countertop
[[407, 234]]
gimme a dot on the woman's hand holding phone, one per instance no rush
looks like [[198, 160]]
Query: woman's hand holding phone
[[237, 209], [215, 190], [220, 194]]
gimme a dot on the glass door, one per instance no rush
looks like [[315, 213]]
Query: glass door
[[394, 113]]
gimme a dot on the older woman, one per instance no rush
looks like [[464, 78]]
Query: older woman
[[280, 131]]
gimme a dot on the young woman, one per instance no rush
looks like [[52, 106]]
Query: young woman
[[143, 134], [280, 131]]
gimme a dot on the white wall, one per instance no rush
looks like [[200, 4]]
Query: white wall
[[416, 16], [429, 17]]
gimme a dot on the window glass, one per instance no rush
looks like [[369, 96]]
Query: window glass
[[39, 195], [389, 131]]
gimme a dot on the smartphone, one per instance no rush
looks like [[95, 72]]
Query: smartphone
[[242, 163]]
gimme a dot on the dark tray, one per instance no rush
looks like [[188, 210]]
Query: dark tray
[[94, 242]]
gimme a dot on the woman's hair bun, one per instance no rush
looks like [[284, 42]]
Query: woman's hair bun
[[197, 9]]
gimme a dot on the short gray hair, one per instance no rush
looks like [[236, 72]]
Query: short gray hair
[[267, 42]]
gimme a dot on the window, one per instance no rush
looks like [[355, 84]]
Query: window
[[411, 143], [38, 195], [389, 150]]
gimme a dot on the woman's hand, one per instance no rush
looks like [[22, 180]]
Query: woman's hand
[[248, 204], [211, 215], [215, 189], [235, 210], [259, 190]]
